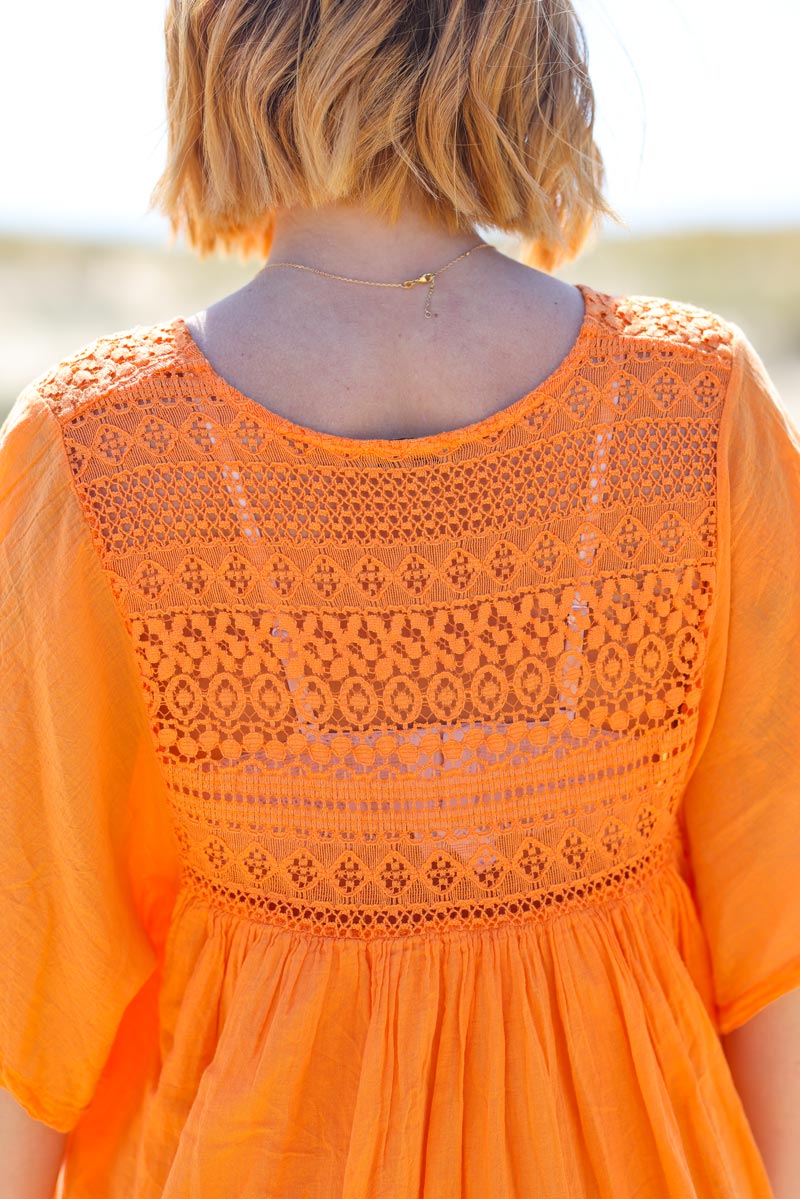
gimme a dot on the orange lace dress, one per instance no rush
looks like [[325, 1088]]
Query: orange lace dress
[[397, 818]]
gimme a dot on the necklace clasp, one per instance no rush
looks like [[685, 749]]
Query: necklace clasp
[[422, 279]]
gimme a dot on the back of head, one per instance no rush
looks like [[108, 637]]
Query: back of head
[[480, 112]]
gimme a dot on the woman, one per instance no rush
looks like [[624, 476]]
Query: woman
[[401, 682]]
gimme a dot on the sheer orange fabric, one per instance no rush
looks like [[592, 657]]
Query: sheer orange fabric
[[400, 817]]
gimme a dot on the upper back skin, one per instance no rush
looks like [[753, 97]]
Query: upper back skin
[[364, 362]]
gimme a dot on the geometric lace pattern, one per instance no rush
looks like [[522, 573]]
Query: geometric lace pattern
[[398, 687]]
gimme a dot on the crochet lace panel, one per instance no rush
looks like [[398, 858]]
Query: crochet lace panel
[[395, 691]]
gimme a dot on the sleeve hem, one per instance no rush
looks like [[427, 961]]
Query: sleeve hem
[[738, 1011], [60, 1116]]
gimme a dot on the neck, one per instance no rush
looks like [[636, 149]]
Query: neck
[[347, 240]]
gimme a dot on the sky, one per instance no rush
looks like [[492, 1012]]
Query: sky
[[696, 114]]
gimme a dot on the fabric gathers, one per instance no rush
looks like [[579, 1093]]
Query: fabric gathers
[[400, 817]]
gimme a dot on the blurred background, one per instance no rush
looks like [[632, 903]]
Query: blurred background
[[696, 116]]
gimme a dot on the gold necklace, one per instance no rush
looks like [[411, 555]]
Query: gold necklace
[[429, 277]]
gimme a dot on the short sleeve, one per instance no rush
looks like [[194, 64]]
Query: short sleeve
[[87, 868], [741, 807]]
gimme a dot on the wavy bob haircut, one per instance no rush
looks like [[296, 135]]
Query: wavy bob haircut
[[479, 111]]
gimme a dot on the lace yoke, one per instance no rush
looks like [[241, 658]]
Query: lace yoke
[[401, 687]]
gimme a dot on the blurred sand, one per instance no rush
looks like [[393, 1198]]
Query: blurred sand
[[57, 295]]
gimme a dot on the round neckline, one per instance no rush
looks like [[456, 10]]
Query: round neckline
[[404, 446]]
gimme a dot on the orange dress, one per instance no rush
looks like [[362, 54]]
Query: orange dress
[[405, 817]]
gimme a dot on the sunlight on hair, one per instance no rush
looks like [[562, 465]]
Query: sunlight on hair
[[480, 114]]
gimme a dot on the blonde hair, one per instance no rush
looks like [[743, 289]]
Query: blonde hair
[[480, 111]]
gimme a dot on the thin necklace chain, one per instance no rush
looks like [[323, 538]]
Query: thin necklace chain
[[429, 277]]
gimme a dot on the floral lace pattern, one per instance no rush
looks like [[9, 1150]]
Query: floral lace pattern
[[401, 686]]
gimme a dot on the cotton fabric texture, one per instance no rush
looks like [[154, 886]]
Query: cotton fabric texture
[[400, 817]]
